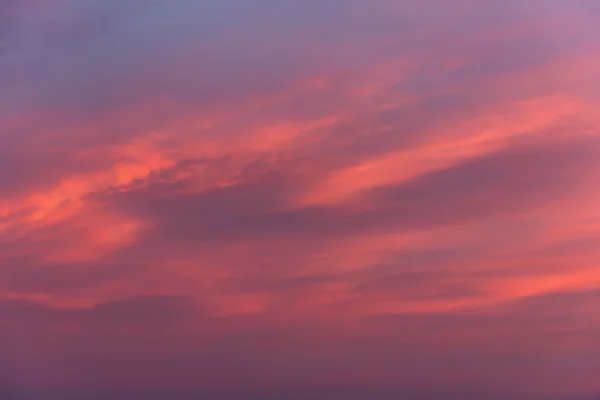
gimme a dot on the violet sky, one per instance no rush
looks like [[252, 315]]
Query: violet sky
[[294, 199]]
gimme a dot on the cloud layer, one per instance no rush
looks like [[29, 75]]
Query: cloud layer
[[319, 198]]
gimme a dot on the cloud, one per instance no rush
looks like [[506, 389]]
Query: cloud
[[344, 200], [514, 180]]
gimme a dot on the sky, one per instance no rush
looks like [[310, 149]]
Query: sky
[[282, 199]]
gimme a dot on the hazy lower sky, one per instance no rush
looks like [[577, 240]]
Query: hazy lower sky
[[294, 199]]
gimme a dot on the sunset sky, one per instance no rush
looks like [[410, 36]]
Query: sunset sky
[[299, 199]]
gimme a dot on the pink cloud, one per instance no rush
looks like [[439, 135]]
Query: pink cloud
[[291, 196]]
